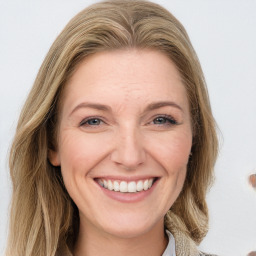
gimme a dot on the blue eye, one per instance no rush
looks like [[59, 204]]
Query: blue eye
[[163, 120], [91, 122]]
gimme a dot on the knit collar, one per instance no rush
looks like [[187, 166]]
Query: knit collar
[[184, 245]]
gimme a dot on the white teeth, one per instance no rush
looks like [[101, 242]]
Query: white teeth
[[101, 183], [140, 185], [145, 185], [124, 187], [105, 184], [150, 183], [110, 185], [132, 187], [116, 186]]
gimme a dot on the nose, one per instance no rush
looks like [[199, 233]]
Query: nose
[[129, 151]]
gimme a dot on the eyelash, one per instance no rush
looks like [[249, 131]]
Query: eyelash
[[168, 121], [85, 121]]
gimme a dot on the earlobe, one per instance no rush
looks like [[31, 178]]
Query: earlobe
[[53, 157]]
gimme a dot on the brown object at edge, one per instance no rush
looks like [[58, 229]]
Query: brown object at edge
[[252, 253], [252, 181]]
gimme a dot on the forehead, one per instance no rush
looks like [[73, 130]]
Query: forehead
[[129, 75]]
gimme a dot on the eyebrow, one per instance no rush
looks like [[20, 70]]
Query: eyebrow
[[150, 107], [156, 105], [91, 105]]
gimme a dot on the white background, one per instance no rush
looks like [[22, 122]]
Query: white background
[[224, 36]]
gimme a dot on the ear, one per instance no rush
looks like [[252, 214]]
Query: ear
[[53, 157]]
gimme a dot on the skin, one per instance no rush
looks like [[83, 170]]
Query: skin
[[127, 139]]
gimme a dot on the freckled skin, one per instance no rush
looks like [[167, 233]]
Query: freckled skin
[[126, 81]]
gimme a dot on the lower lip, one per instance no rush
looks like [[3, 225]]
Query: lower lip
[[128, 197]]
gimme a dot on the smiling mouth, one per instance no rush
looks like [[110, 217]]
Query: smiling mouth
[[126, 187]]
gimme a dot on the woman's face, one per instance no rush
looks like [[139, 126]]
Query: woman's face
[[124, 140]]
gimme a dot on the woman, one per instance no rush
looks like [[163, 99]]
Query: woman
[[116, 143]]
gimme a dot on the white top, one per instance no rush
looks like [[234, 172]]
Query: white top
[[170, 249]]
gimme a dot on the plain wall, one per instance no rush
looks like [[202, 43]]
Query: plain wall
[[224, 36]]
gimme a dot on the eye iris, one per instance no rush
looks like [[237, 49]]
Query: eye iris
[[94, 121], [160, 120]]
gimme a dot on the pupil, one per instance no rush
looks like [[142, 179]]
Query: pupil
[[160, 120], [93, 121]]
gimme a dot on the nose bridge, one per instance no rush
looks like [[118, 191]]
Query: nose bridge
[[129, 149]]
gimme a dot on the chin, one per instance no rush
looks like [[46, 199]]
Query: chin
[[129, 226], [128, 231]]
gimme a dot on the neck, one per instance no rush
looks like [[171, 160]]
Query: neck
[[93, 242]]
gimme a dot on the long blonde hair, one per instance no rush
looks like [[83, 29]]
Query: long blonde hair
[[43, 216]]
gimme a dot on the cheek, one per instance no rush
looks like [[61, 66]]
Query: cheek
[[172, 154], [79, 153], [172, 151]]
